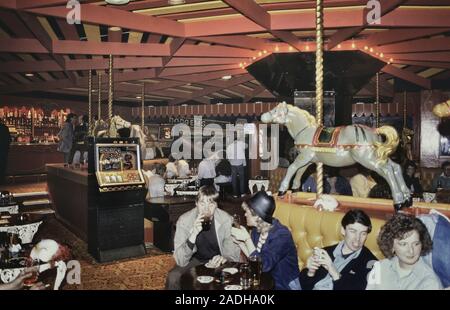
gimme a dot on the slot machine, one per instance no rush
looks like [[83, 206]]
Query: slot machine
[[116, 199]]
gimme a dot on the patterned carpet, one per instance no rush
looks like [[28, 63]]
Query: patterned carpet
[[148, 272]]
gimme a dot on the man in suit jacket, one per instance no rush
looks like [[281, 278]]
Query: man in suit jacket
[[201, 235], [343, 266]]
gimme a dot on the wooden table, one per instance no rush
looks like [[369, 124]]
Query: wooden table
[[189, 279]]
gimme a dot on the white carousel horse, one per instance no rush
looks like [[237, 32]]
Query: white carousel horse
[[344, 146], [101, 127]]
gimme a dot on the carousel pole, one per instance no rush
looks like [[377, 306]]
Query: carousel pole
[[110, 90], [319, 85], [99, 97], [404, 111], [90, 103], [142, 106], [377, 102]]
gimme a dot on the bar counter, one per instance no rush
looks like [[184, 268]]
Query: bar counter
[[69, 191], [30, 158]]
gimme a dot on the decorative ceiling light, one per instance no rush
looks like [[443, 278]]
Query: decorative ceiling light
[[226, 77], [117, 2], [115, 28], [138, 97], [176, 2], [29, 74]]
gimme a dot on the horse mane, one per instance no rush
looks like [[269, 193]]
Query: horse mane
[[309, 118]]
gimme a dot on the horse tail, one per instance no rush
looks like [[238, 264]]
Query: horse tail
[[384, 149]]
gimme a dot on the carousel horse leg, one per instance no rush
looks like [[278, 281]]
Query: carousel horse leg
[[386, 171], [300, 161], [401, 183], [298, 178]]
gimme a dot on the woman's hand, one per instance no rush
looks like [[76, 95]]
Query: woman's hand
[[240, 234]]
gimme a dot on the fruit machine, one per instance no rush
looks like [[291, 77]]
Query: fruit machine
[[116, 200]]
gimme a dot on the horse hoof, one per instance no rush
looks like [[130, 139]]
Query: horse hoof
[[408, 203], [398, 207], [281, 193]]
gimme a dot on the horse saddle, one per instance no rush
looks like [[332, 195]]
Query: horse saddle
[[326, 136]]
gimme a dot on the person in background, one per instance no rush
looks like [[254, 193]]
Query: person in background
[[183, 168], [333, 183], [343, 266], [171, 168], [413, 182], [442, 181], [66, 137], [236, 155], [5, 141], [202, 235], [80, 152], [207, 171], [362, 183], [269, 240], [155, 181], [403, 240]]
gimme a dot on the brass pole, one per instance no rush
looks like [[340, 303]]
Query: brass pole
[[142, 106], [99, 96], [110, 91], [377, 102], [319, 85], [90, 103], [404, 111]]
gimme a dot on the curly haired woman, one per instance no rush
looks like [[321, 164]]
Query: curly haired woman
[[403, 240]]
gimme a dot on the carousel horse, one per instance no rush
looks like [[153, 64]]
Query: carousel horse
[[339, 147], [101, 128], [442, 109]]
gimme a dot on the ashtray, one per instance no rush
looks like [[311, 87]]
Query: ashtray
[[205, 279], [233, 287], [230, 270]]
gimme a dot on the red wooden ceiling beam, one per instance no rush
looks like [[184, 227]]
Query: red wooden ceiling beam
[[195, 69], [212, 51], [395, 35], [407, 76], [203, 61], [421, 45], [114, 17], [200, 77], [437, 56], [413, 17], [237, 41], [110, 48], [22, 46], [252, 11], [444, 65]]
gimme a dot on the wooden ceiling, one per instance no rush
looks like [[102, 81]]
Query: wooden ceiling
[[182, 52]]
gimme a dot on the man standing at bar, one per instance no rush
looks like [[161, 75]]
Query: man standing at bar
[[236, 156], [5, 141], [66, 137]]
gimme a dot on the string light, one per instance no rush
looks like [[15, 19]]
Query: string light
[[307, 47], [254, 57], [259, 54], [381, 55], [353, 45], [277, 49], [290, 48], [366, 47], [264, 52], [339, 46]]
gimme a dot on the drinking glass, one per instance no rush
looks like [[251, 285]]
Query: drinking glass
[[256, 268], [32, 265], [245, 276], [206, 224]]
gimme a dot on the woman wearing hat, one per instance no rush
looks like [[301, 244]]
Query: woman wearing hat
[[270, 240]]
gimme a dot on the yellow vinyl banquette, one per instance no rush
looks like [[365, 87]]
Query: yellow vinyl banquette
[[311, 228]]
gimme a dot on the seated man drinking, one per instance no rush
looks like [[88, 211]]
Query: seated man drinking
[[202, 234]]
